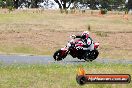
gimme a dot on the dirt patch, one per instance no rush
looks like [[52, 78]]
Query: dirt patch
[[117, 44], [45, 32], [42, 40]]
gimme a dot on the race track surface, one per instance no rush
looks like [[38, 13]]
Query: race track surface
[[17, 59]]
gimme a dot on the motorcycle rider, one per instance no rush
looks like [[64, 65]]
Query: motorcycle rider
[[79, 46], [87, 41]]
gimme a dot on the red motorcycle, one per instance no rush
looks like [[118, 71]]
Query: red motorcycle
[[77, 51]]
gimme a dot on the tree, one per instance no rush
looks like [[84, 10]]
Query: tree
[[62, 3], [89, 3], [15, 2], [129, 5]]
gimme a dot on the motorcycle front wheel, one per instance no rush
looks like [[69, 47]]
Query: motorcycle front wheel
[[57, 55]]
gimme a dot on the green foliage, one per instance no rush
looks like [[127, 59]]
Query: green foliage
[[105, 3], [1, 3], [8, 3]]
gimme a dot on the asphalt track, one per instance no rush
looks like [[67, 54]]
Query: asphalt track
[[27, 59]]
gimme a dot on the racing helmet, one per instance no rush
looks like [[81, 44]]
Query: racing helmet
[[85, 34]]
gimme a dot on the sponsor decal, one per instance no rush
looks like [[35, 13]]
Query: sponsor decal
[[83, 78]]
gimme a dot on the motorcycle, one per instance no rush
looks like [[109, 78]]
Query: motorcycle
[[77, 51]]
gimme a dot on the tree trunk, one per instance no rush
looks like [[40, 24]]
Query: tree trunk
[[35, 3], [58, 3], [129, 4], [15, 3], [64, 4]]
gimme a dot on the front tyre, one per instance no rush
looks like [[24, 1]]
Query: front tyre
[[57, 55]]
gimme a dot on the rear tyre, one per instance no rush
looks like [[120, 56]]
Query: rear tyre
[[86, 56], [57, 55], [91, 55], [94, 54]]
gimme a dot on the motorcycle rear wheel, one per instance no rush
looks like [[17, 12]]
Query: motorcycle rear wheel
[[91, 55], [94, 54]]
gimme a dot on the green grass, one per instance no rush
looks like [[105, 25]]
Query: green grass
[[57, 75], [16, 48], [22, 49]]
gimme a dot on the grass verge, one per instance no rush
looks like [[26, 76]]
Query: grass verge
[[57, 75]]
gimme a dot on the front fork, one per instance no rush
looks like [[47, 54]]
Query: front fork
[[63, 53]]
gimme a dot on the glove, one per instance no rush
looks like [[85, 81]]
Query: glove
[[73, 36]]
